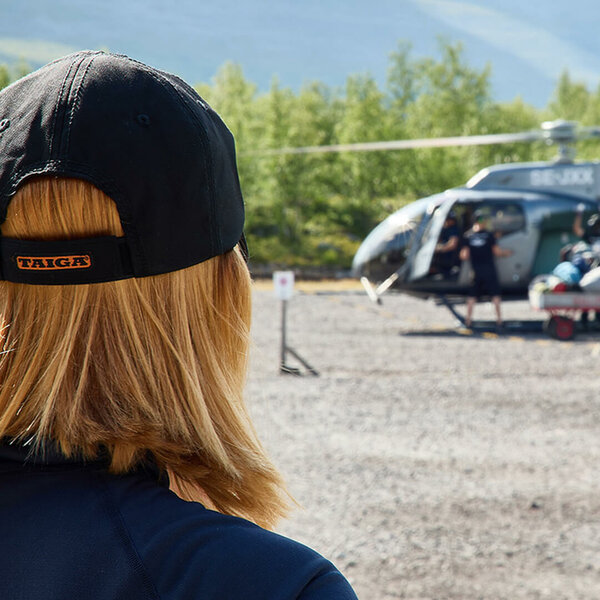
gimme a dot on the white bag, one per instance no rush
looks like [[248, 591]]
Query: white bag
[[590, 282]]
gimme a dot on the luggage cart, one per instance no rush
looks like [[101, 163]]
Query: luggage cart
[[562, 309]]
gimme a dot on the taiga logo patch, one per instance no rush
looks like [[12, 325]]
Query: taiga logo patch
[[54, 263]]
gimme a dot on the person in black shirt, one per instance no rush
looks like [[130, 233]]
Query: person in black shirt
[[447, 248], [480, 248], [589, 231]]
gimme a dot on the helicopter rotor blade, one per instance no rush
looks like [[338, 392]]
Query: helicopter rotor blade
[[443, 142], [588, 132]]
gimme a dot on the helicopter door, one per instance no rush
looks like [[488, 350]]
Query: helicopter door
[[424, 255], [509, 222]]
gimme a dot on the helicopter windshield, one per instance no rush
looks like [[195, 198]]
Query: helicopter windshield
[[385, 248]]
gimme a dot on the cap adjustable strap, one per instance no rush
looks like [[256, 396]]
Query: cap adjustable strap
[[64, 262]]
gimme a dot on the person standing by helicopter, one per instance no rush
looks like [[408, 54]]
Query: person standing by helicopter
[[480, 247], [445, 258], [589, 232]]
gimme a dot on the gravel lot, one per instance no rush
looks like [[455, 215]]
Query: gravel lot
[[429, 463]]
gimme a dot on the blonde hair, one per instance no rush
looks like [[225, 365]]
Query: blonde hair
[[150, 366]]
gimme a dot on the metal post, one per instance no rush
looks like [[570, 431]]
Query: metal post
[[284, 281], [283, 333]]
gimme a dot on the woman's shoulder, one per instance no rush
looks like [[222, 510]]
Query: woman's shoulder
[[191, 552]]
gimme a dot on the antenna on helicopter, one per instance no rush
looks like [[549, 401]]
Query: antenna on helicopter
[[563, 134]]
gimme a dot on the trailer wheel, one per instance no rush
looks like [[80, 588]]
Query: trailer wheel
[[561, 328]]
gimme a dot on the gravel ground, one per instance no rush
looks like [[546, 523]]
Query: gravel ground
[[429, 463]]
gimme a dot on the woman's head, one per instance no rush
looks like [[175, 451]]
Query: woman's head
[[124, 299], [142, 365]]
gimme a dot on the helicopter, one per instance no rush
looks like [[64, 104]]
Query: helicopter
[[531, 208]]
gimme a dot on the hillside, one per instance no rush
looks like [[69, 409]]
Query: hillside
[[527, 44]]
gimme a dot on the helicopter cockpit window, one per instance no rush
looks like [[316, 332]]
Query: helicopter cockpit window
[[508, 219], [504, 218], [399, 229], [385, 248]]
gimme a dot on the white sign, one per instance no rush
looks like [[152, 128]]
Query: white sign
[[284, 284]]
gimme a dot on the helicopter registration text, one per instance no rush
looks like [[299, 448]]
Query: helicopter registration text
[[567, 176]]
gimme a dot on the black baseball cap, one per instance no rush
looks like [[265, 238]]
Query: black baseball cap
[[142, 136]]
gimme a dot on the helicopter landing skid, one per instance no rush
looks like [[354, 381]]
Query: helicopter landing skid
[[372, 293], [441, 299]]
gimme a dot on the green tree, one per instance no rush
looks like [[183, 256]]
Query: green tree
[[276, 198], [570, 100], [315, 208], [362, 176], [573, 101], [8, 74], [450, 99], [5, 77], [402, 76], [21, 69], [508, 117]]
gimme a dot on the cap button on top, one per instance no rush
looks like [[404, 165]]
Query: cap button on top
[[143, 120]]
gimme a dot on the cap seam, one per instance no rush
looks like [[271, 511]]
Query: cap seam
[[76, 99], [63, 167], [68, 80], [56, 109]]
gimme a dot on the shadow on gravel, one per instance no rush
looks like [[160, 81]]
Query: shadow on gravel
[[531, 330], [485, 329]]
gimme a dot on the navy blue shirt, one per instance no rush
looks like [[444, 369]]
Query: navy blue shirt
[[70, 530], [448, 258], [448, 232]]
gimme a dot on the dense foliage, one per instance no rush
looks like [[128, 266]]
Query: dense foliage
[[315, 209]]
